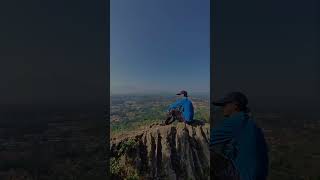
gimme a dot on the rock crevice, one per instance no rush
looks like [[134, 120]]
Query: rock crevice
[[162, 152]]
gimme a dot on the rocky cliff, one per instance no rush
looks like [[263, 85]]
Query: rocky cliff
[[177, 151]]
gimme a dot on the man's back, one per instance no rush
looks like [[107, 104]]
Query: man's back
[[241, 141], [186, 107], [188, 110]]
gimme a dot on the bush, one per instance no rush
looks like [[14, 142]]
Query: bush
[[126, 146], [114, 167]]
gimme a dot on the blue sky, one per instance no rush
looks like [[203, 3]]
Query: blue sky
[[159, 46]]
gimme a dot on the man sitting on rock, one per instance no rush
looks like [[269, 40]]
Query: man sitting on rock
[[240, 141], [181, 110]]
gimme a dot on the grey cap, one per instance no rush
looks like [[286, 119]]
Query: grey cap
[[237, 97]]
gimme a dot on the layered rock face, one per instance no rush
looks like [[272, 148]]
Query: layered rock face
[[177, 151]]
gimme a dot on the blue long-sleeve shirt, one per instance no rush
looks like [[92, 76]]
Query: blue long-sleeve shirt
[[240, 140], [186, 107]]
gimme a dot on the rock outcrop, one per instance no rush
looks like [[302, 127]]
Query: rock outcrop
[[177, 151]]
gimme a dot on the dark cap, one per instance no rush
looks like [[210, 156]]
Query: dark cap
[[185, 93], [237, 97]]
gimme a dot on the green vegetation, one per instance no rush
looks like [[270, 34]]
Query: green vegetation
[[115, 167], [119, 171], [126, 146], [132, 177], [202, 113], [147, 110]]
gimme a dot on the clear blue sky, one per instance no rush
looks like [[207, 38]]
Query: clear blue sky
[[159, 46]]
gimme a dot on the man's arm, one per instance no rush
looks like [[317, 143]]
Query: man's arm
[[222, 133], [175, 105], [221, 138]]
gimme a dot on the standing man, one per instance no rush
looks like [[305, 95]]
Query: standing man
[[182, 110], [239, 140]]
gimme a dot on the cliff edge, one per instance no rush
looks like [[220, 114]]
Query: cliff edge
[[176, 151]]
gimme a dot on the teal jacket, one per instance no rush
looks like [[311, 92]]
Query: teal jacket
[[240, 140], [186, 107]]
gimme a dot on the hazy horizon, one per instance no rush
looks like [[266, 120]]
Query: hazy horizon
[[161, 93]]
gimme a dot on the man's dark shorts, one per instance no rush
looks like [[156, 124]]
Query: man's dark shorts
[[174, 115]]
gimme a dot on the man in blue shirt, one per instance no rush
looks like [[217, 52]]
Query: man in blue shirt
[[239, 140], [182, 110]]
